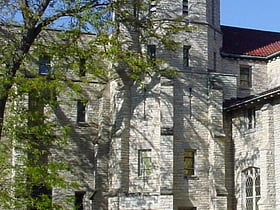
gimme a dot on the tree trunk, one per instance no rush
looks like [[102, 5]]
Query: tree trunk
[[13, 66], [3, 102]]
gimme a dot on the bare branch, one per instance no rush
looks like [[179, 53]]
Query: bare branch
[[43, 6], [26, 12], [70, 12]]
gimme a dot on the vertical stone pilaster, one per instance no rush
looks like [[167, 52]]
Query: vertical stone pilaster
[[267, 200], [166, 144], [217, 150], [276, 130]]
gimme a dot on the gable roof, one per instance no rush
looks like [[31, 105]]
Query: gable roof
[[249, 43]]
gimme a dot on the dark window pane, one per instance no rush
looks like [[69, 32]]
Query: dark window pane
[[44, 66], [82, 70], [245, 79], [189, 162], [144, 162], [151, 51], [81, 111], [79, 196], [186, 50], [185, 7]]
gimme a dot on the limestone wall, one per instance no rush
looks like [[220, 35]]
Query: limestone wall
[[273, 73]]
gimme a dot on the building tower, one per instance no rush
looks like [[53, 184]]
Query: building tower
[[167, 147]]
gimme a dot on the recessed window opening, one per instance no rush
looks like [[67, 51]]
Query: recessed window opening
[[144, 162]]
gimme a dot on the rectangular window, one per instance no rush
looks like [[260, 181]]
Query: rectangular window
[[82, 69], [79, 197], [151, 51], [189, 162], [44, 65], [185, 7], [215, 61], [186, 56], [40, 190], [144, 162], [36, 108], [250, 118], [81, 111], [245, 76]]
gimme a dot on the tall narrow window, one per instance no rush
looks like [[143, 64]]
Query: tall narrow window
[[186, 56], [257, 190], [82, 67], [249, 193], [44, 65], [189, 162], [250, 118], [81, 111], [185, 7], [245, 76], [151, 52], [144, 162], [252, 190], [214, 61], [79, 197]]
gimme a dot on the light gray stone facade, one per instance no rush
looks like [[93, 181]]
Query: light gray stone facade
[[130, 153], [170, 116]]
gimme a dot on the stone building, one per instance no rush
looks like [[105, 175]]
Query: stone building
[[205, 139], [251, 119]]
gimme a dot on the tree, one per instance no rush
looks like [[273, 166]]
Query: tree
[[103, 36]]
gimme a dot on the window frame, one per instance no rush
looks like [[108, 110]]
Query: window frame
[[245, 76], [189, 171], [252, 191], [185, 7], [79, 200], [82, 67], [82, 111], [214, 61], [250, 118], [142, 170], [186, 56], [151, 52], [44, 65]]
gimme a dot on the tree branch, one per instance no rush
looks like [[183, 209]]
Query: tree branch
[[26, 12], [70, 12], [43, 6]]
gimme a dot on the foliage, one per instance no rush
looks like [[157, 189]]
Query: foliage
[[103, 38]]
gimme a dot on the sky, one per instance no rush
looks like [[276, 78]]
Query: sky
[[255, 14]]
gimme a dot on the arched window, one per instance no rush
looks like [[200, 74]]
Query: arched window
[[252, 188]]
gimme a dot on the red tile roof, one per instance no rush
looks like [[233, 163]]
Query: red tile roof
[[249, 42]]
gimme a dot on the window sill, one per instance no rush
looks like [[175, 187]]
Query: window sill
[[245, 88], [191, 177], [249, 131], [82, 124]]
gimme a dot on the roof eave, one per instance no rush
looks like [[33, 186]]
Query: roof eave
[[254, 57], [253, 100]]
